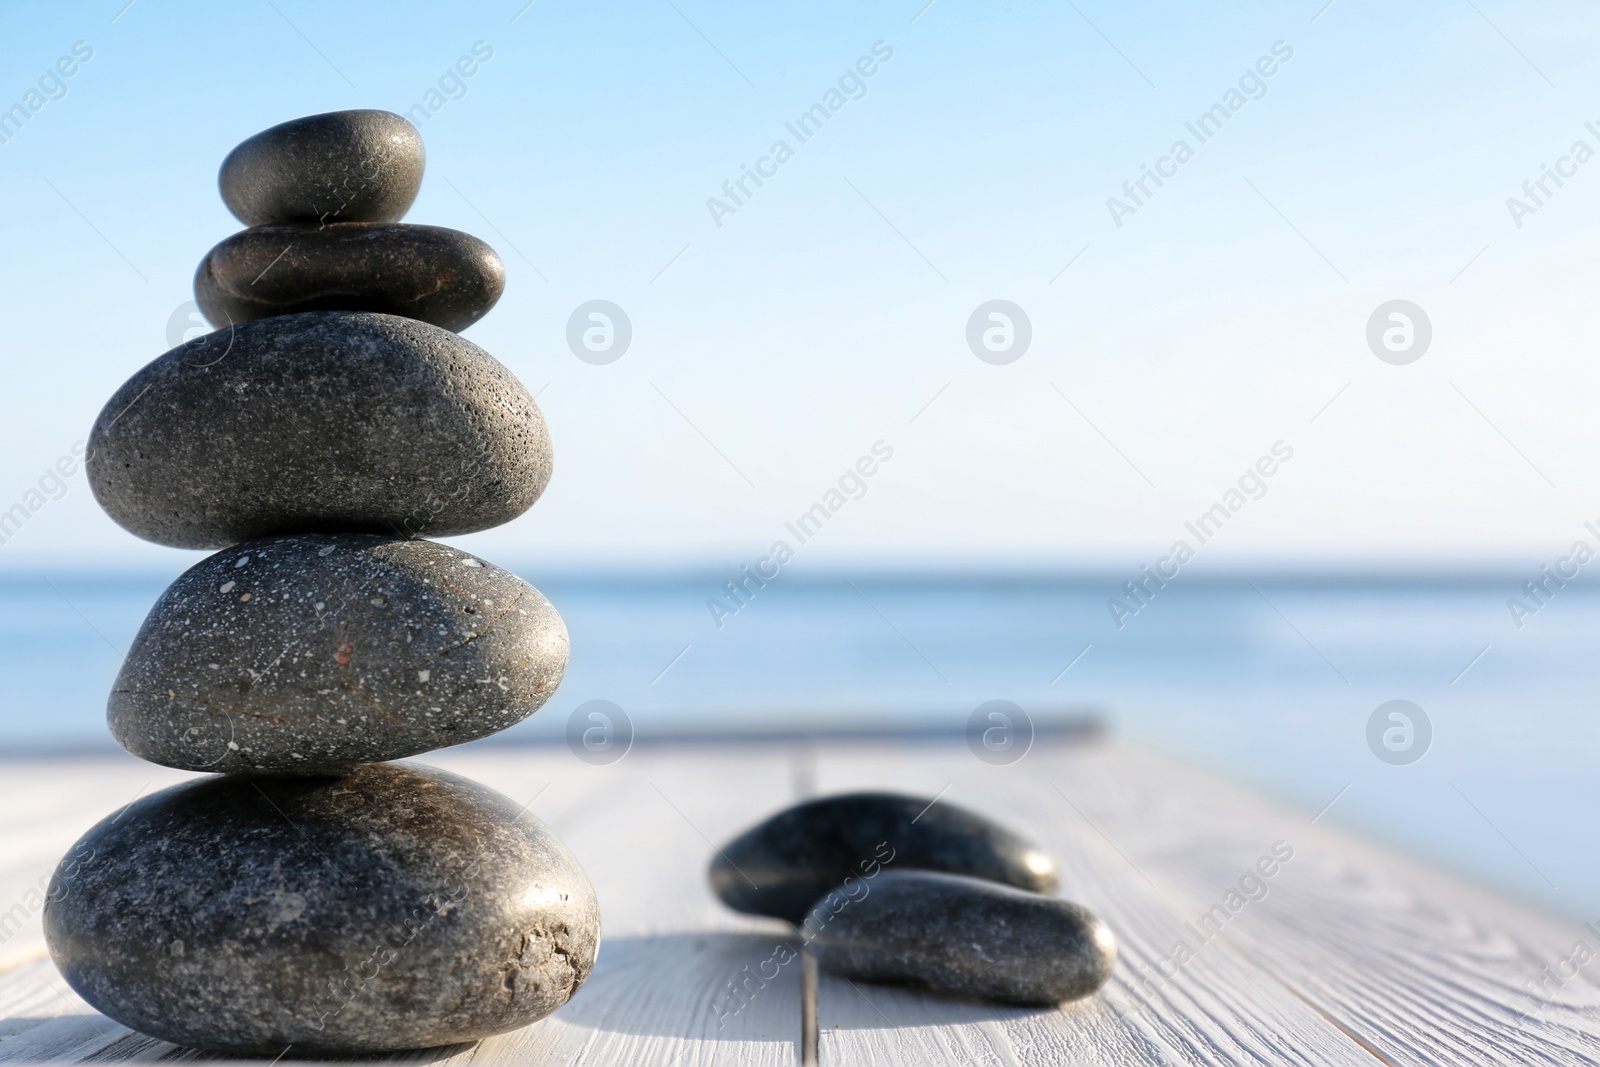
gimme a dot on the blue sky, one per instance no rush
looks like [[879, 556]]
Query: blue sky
[[830, 311]]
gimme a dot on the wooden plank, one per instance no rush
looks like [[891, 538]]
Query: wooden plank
[[1352, 956], [1418, 967], [1226, 1011], [1407, 965]]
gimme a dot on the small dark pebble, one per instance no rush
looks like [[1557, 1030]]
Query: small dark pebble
[[343, 166], [312, 651], [321, 421], [964, 935], [783, 865], [389, 908], [442, 276]]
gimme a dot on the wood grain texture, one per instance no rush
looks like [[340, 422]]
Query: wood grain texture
[[1418, 967], [1222, 1011], [1345, 955], [1350, 954]]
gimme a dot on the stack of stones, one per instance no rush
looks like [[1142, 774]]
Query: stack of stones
[[309, 895], [893, 888]]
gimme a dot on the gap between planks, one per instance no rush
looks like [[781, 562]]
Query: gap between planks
[[803, 775]]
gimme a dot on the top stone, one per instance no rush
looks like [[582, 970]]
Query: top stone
[[344, 166]]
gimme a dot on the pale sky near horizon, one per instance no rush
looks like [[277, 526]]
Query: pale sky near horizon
[[1172, 347]]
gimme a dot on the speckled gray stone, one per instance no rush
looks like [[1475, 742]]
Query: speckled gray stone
[[391, 907], [442, 276], [343, 166], [782, 866], [308, 652], [965, 935], [320, 421]]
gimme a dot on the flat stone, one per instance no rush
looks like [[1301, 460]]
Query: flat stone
[[388, 908], [309, 652], [343, 166], [782, 866], [321, 421], [442, 276], [964, 935]]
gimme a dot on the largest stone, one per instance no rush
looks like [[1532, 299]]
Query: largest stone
[[308, 652], [389, 908], [324, 420]]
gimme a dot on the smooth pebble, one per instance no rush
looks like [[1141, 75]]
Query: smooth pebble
[[442, 276], [319, 421], [389, 908], [342, 166], [783, 865], [331, 649], [963, 935]]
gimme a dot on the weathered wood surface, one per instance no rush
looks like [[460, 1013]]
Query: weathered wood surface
[[1351, 955]]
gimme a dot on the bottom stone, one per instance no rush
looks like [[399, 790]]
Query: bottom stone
[[386, 908]]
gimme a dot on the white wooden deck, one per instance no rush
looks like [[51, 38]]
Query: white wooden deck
[[1354, 957]]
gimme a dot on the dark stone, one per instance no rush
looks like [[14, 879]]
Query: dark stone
[[321, 421], [388, 908], [965, 935], [782, 866], [344, 166], [445, 277], [309, 652]]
